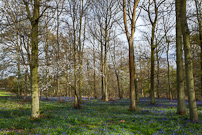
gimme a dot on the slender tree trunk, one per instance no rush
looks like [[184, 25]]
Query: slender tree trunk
[[47, 80], [131, 69], [149, 78], [152, 96], [121, 80], [80, 51], [76, 96], [181, 105], [117, 73], [46, 55], [105, 75], [158, 69], [94, 86], [105, 62], [25, 90], [34, 61], [89, 87], [76, 102], [168, 74], [118, 85], [131, 51], [102, 71], [18, 65], [141, 80], [188, 65], [70, 92], [69, 75], [58, 57], [135, 81]]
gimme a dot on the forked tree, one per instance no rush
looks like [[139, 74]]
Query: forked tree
[[130, 37]]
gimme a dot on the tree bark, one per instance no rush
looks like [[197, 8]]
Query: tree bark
[[158, 81], [188, 64], [76, 96], [18, 65], [199, 16], [34, 60], [102, 72], [94, 86], [152, 67], [181, 105], [58, 56], [153, 47], [117, 73], [26, 87], [135, 81], [105, 70], [131, 51], [168, 73]]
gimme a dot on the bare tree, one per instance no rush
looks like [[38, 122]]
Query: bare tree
[[130, 39], [153, 15], [34, 17], [188, 64]]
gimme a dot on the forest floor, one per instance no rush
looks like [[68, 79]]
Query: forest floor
[[96, 117]]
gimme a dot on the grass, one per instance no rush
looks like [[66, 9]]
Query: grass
[[5, 94], [97, 117]]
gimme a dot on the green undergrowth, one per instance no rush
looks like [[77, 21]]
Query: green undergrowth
[[96, 118]]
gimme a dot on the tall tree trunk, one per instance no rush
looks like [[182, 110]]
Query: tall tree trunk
[[94, 86], [18, 65], [102, 72], [58, 56], [76, 96], [105, 61], [76, 102], [135, 81], [141, 80], [105, 76], [168, 74], [80, 51], [121, 80], [181, 105], [153, 46], [34, 60], [188, 65], [199, 19], [46, 56], [158, 69], [89, 87], [131, 69], [26, 87], [152, 96], [131, 51], [117, 73]]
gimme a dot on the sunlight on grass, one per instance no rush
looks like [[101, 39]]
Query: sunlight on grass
[[4, 94], [96, 118]]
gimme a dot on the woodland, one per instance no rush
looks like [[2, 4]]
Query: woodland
[[101, 67]]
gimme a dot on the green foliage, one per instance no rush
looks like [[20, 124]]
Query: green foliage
[[11, 83], [96, 117]]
